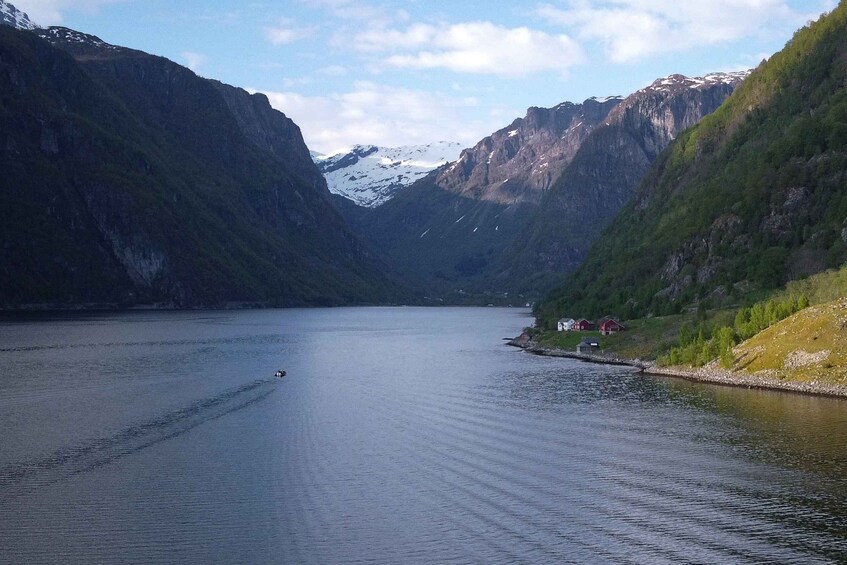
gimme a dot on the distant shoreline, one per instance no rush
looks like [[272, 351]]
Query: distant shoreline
[[708, 374]]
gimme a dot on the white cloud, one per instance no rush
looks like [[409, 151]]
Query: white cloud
[[631, 30], [357, 11], [334, 71], [50, 12], [295, 82], [193, 60], [382, 115], [287, 32], [473, 47]]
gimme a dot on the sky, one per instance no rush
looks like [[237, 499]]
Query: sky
[[395, 73]]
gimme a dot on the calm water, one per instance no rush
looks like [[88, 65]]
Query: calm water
[[399, 435]]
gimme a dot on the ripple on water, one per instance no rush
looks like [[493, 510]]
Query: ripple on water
[[436, 445]]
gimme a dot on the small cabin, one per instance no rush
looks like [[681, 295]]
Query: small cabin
[[583, 325], [588, 346], [566, 324], [610, 326]]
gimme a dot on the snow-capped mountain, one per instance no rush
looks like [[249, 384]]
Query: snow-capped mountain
[[73, 40], [11, 16], [673, 83], [370, 175]]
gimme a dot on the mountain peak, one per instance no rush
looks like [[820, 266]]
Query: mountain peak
[[370, 175], [59, 34], [11, 16], [677, 82]]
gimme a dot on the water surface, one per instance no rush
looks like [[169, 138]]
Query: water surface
[[399, 435]]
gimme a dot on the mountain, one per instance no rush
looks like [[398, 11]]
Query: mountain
[[518, 163], [129, 180], [370, 175], [524, 205], [751, 197], [448, 228], [604, 173], [11, 16]]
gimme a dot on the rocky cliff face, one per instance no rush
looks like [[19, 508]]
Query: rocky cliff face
[[658, 113], [605, 172], [127, 179], [518, 163]]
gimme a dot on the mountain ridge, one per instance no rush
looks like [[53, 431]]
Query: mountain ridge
[[472, 223]]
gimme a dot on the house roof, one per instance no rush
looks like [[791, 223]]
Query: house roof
[[591, 342]]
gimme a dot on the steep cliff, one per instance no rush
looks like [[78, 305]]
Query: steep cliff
[[128, 179], [604, 174], [516, 164]]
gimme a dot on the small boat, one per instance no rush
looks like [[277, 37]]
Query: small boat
[[280, 373]]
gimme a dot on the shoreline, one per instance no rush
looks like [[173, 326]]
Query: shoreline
[[707, 375]]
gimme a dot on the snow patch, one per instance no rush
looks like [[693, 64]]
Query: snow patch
[[371, 175], [62, 34], [603, 99], [679, 82], [11, 16]]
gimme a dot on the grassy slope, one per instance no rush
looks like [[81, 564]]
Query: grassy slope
[[808, 346]]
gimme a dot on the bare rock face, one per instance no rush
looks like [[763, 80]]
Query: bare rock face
[[606, 170], [518, 163]]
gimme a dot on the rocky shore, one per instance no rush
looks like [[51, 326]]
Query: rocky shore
[[711, 373], [715, 375]]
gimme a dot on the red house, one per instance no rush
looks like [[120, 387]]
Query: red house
[[583, 325], [610, 326]]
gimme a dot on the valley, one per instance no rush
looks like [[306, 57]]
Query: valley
[[691, 194]]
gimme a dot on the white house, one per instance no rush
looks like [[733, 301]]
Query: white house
[[566, 324]]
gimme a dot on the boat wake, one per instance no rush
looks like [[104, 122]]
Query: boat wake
[[67, 462]]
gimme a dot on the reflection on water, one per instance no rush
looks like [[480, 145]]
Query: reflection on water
[[399, 435]]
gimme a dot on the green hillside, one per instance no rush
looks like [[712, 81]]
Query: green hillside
[[808, 346], [749, 199]]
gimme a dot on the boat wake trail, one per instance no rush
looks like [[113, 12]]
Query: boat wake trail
[[67, 462]]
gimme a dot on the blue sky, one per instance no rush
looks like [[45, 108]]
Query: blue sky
[[399, 73]]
